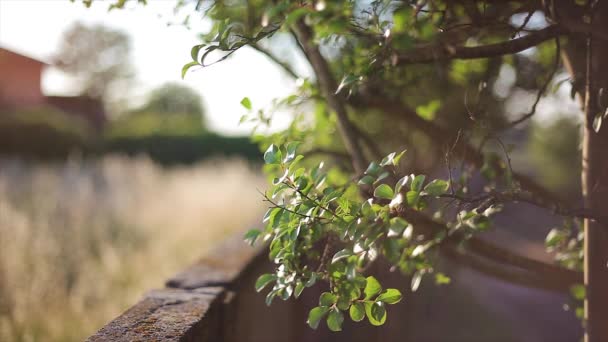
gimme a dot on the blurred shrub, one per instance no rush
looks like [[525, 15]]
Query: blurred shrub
[[48, 134], [43, 133], [180, 149], [144, 124]]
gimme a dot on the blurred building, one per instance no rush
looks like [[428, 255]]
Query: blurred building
[[20, 88]]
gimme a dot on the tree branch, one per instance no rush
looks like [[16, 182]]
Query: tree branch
[[443, 136], [475, 250], [286, 67], [447, 52], [328, 88]]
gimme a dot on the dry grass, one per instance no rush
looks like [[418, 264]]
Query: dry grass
[[81, 241]]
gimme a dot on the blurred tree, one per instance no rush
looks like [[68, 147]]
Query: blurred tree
[[98, 57], [171, 110], [173, 98], [432, 77]]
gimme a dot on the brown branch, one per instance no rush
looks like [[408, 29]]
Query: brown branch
[[542, 90], [508, 197], [328, 87], [286, 67], [447, 52], [474, 251], [442, 136]]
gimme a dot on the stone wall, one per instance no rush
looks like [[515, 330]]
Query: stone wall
[[214, 300]]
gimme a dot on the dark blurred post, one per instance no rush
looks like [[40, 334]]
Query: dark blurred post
[[586, 58]]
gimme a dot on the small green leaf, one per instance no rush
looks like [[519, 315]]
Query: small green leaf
[[427, 112], [372, 287], [373, 169], [357, 311], [437, 187], [195, 50], [366, 180], [316, 315], [388, 160], [312, 280], [272, 155], [251, 236], [375, 312], [346, 81], [412, 198], [335, 320], [264, 280], [397, 225], [384, 191], [246, 102], [299, 288], [416, 279], [327, 299], [291, 151], [417, 183], [188, 66], [442, 279], [578, 291], [397, 158], [401, 183], [390, 296], [345, 253]]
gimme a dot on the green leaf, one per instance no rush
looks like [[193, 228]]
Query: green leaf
[[272, 155], [427, 112], [335, 320], [417, 182], [375, 312], [312, 280], [264, 280], [327, 299], [388, 160], [373, 169], [578, 291], [437, 187], [390, 296], [366, 180], [442, 279], [416, 279], [384, 191], [246, 102], [299, 288], [397, 158], [397, 225], [186, 67], [357, 311], [401, 183], [412, 198], [251, 236], [291, 151], [195, 50], [346, 81], [316, 315], [295, 15], [345, 253], [555, 237], [372, 287]]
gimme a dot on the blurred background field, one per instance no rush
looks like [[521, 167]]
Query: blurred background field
[[81, 241]]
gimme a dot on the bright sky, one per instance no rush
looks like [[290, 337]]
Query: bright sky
[[35, 27]]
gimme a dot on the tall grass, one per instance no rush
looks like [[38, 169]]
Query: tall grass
[[81, 241]]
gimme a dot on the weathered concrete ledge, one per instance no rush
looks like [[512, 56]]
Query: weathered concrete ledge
[[215, 300], [190, 308]]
